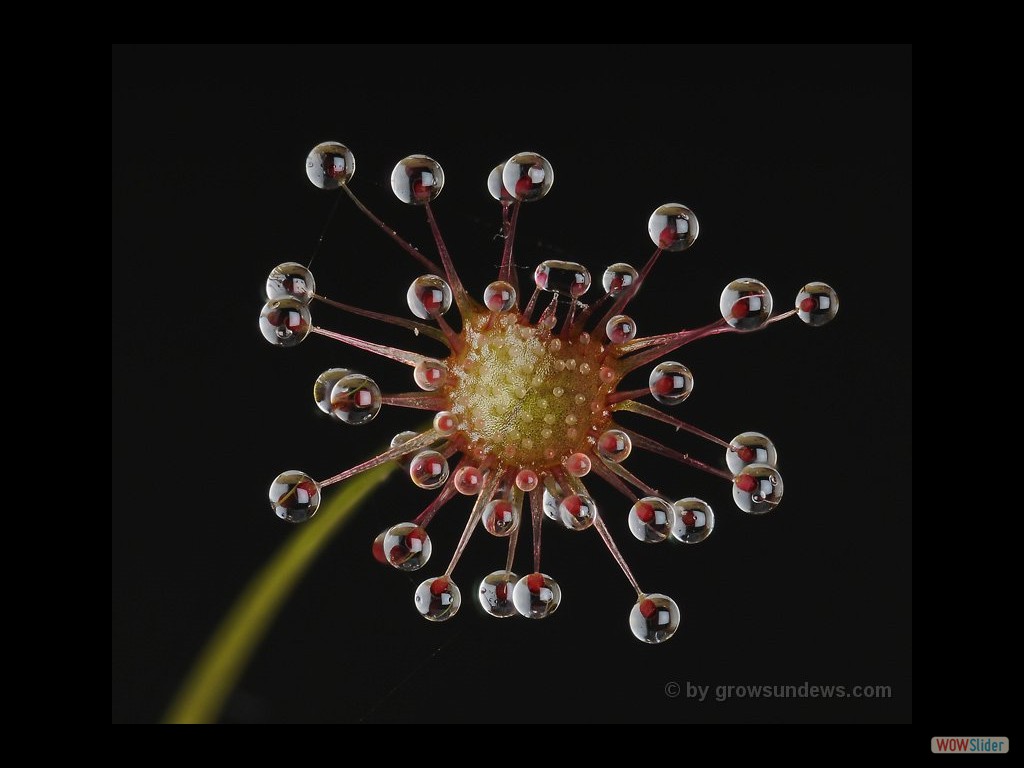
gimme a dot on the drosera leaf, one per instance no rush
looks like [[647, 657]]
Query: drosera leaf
[[227, 653]]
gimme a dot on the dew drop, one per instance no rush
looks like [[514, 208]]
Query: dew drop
[[750, 448], [329, 165], [323, 386], [428, 469], [694, 521], [499, 296], [291, 280], [673, 227], [620, 329], [496, 594], [406, 546], [817, 304], [438, 599], [429, 295], [285, 322], [654, 618], [355, 399], [617, 278], [417, 179], [430, 375], [746, 304], [670, 382], [565, 277], [294, 496], [527, 176], [651, 519], [536, 596]]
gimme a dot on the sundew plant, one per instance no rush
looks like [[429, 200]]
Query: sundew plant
[[523, 392]]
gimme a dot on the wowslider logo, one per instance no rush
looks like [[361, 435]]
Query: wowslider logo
[[976, 745]]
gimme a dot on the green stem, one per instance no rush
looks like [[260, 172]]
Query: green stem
[[228, 651]]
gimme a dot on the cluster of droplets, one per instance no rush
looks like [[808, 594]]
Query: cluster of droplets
[[526, 396]]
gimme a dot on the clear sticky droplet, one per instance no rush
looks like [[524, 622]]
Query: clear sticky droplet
[[500, 517], [817, 304], [355, 400], [495, 594], [654, 618], [565, 277], [620, 329], [429, 295], [291, 280], [438, 599], [417, 179], [750, 448], [614, 445], [527, 480], [757, 489], [445, 423], [403, 437], [285, 322], [294, 496], [430, 375], [324, 385], [496, 187], [527, 176], [428, 469], [577, 512], [499, 296], [673, 227], [406, 546], [651, 519], [746, 304], [330, 165], [550, 504], [578, 464], [694, 520], [670, 382], [468, 480], [377, 549], [536, 596], [618, 277]]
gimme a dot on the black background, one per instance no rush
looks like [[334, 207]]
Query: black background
[[797, 161]]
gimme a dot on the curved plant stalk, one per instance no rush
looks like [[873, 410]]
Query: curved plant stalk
[[227, 653]]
